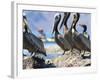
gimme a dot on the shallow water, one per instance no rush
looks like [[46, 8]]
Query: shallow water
[[52, 56], [48, 44], [49, 55]]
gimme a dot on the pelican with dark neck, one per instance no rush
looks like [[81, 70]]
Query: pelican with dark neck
[[79, 40], [56, 23], [67, 32], [34, 45], [59, 39], [76, 18]]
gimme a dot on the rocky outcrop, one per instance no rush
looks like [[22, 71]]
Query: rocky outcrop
[[70, 59], [73, 59]]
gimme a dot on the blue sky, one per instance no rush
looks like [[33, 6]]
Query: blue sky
[[45, 20]]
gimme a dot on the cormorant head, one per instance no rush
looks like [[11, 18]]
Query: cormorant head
[[84, 31], [65, 19], [84, 26], [56, 22]]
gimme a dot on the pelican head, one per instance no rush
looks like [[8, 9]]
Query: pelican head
[[57, 18], [24, 16], [75, 20], [24, 19], [77, 16], [66, 16]]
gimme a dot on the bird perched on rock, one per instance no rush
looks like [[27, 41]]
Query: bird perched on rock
[[33, 44], [59, 39]]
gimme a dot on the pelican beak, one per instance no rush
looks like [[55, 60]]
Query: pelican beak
[[53, 31], [54, 27], [57, 20], [62, 23], [66, 16]]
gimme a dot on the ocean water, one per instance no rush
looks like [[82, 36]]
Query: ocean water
[[51, 55], [46, 45]]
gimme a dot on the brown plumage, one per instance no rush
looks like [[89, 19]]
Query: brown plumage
[[31, 42], [79, 40], [67, 33], [59, 39]]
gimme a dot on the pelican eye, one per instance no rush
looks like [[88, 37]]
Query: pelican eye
[[74, 16], [57, 17]]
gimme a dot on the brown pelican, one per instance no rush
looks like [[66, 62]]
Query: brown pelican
[[79, 40], [67, 33], [59, 39], [33, 43]]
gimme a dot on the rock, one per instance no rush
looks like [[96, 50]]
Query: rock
[[72, 59], [33, 62], [27, 63]]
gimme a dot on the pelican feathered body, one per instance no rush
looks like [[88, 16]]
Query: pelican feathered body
[[59, 39], [34, 45], [31, 42], [79, 40], [67, 33]]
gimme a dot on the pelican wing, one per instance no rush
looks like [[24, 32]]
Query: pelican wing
[[34, 41], [81, 42], [85, 41], [61, 40], [64, 42]]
